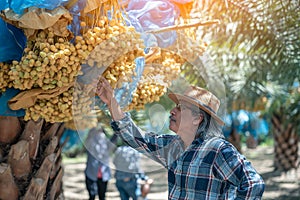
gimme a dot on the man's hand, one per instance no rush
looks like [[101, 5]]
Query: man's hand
[[105, 91], [106, 94]]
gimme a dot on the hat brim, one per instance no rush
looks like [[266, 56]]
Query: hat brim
[[179, 97]]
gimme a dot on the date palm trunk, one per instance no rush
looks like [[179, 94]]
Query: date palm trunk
[[30, 159], [286, 142]]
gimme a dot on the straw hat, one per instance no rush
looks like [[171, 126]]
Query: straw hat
[[201, 98]]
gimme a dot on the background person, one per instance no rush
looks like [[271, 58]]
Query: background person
[[129, 175], [97, 171], [201, 163]]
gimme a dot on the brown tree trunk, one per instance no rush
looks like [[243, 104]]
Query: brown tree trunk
[[285, 145], [235, 139], [30, 157]]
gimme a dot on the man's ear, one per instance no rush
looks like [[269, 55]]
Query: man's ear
[[197, 119]]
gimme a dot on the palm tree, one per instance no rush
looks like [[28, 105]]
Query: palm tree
[[256, 49], [30, 159]]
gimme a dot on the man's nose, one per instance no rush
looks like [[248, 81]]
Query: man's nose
[[173, 111]]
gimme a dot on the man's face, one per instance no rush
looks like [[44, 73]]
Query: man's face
[[181, 118]]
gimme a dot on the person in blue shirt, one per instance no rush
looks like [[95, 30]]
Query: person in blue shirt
[[201, 163], [128, 172], [97, 171]]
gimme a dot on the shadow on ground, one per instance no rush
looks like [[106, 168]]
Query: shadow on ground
[[279, 185]]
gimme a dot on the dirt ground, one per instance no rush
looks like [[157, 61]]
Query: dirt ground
[[278, 186]]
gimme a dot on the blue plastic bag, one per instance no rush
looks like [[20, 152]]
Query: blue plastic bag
[[228, 127], [240, 120], [149, 15], [4, 4], [4, 109], [74, 138], [12, 42], [124, 94], [263, 128], [18, 6], [75, 11], [253, 124]]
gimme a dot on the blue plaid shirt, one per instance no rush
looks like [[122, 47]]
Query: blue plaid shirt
[[211, 169]]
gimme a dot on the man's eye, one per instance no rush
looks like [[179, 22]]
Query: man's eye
[[182, 107]]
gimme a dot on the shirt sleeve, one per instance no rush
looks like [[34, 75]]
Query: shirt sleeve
[[161, 148], [236, 169]]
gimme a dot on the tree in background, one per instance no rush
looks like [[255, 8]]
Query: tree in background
[[256, 49]]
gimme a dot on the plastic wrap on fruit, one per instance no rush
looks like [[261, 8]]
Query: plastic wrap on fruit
[[124, 94], [18, 6], [149, 15]]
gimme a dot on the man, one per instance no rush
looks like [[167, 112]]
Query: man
[[201, 163]]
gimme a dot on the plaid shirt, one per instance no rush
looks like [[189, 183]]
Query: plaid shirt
[[210, 169]]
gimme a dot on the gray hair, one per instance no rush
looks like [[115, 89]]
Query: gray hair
[[209, 127]]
